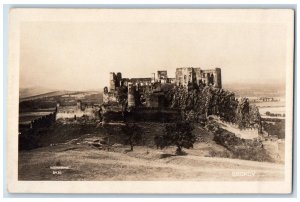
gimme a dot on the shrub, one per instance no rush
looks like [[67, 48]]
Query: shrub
[[276, 129]]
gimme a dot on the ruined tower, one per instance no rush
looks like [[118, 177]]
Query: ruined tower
[[118, 80], [112, 81], [131, 92], [184, 76], [218, 78], [152, 77], [208, 77], [162, 76]]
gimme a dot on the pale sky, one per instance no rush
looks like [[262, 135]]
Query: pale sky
[[80, 55]]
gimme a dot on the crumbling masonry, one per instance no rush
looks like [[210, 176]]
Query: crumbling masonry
[[153, 84]]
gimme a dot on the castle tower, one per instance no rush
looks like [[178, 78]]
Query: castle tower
[[131, 92], [217, 78], [112, 81], [184, 75], [153, 78], [118, 79], [162, 76]]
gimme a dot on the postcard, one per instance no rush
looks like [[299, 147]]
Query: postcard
[[180, 101]]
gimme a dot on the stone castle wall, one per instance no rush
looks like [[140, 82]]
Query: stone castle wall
[[72, 112]]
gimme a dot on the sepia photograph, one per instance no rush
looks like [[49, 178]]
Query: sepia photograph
[[150, 100]]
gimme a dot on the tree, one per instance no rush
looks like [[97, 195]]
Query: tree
[[255, 118], [248, 116], [179, 134], [197, 103], [133, 134], [242, 116]]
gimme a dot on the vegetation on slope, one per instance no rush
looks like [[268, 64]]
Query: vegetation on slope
[[247, 149], [197, 103]]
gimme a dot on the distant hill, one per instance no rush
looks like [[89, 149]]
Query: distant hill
[[40, 92], [33, 91], [49, 94]]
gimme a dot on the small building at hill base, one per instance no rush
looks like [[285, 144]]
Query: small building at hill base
[[74, 112]]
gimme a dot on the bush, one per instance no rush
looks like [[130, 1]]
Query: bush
[[276, 129]]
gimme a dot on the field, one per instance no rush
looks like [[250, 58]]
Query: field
[[277, 108]]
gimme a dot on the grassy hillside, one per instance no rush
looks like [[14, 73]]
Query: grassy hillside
[[87, 162], [76, 147], [61, 133]]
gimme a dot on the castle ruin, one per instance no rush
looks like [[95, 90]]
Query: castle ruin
[[150, 87]]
